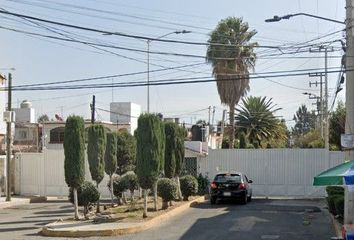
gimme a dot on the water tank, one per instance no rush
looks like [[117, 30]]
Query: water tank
[[199, 133], [26, 104]]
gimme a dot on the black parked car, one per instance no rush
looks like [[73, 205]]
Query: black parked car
[[231, 185]]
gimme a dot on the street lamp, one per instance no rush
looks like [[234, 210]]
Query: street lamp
[[148, 61], [277, 18]]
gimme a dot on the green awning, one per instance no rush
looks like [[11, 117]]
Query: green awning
[[333, 176]]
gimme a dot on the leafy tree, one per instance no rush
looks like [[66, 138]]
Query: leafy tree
[[150, 153], [243, 142], [110, 158], [126, 152], [74, 152], [304, 121], [256, 119], [87, 196], [96, 147], [171, 136], [312, 139], [232, 57], [120, 185], [43, 118], [132, 182], [337, 125], [181, 134]]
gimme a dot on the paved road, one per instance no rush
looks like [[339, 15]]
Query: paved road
[[260, 219]]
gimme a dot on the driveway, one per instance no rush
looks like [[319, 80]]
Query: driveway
[[260, 219]]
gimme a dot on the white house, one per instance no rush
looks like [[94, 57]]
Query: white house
[[125, 113]]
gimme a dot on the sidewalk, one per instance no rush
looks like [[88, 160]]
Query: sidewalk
[[89, 228], [15, 201]]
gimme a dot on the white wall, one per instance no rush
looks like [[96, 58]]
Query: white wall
[[275, 172], [125, 112], [43, 174]]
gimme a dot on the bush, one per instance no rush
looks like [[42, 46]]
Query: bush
[[130, 181], [203, 184], [120, 185], [87, 195], [167, 190], [339, 205], [334, 190], [189, 186]]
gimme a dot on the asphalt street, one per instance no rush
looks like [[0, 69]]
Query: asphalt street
[[260, 219]]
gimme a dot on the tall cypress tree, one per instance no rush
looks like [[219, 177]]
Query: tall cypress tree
[[110, 159], [74, 151], [150, 153], [181, 134], [170, 149], [96, 147], [126, 152]]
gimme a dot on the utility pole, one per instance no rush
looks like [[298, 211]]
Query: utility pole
[[325, 115], [349, 67], [209, 111], [223, 121], [93, 109], [213, 116], [8, 141], [148, 76], [321, 112]]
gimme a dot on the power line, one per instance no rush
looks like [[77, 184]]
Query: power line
[[158, 83]]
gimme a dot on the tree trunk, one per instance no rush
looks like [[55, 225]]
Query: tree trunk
[[179, 192], [132, 195], [85, 212], [140, 193], [124, 198], [145, 204], [111, 192], [155, 196], [232, 125], [98, 210], [76, 204], [164, 204]]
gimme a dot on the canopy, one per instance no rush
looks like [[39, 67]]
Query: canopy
[[335, 175]]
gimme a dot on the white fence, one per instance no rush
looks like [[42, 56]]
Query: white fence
[[43, 174], [275, 172]]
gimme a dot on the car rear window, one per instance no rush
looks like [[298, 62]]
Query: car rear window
[[228, 178]]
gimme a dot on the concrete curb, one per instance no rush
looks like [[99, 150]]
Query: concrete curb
[[14, 202], [48, 231]]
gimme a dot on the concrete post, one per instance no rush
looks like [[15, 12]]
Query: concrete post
[[349, 104]]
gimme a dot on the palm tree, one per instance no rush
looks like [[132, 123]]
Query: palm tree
[[256, 119], [231, 54]]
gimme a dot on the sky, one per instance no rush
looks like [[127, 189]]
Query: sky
[[41, 60]]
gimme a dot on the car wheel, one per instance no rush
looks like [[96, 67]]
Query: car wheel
[[244, 199], [212, 200]]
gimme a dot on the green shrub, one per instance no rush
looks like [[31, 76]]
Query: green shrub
[[335, 190], [130, 181], [203, 184], [167, 190], [331, 203], [87, 195], [120, 185], [189, 186], [339, 204]]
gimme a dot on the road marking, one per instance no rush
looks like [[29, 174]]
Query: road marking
[[270, 236]]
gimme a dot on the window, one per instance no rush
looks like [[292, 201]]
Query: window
[[23, 134], [227, 178], [57, 135]]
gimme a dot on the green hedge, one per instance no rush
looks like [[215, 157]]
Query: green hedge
[[335, 190], [189, 186], [339, 204]]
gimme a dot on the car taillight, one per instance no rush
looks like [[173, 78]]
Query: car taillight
[[213, 185], [242, 186]]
